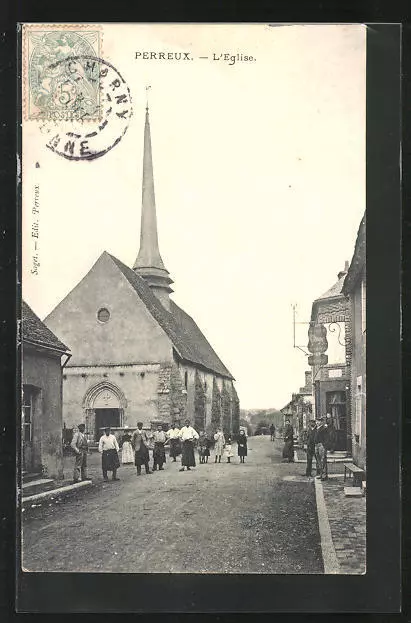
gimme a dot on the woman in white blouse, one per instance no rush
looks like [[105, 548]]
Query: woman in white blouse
[[188, 435], [108, 448]]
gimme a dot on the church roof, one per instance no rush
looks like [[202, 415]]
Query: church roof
[[189, 342], [34, 330]]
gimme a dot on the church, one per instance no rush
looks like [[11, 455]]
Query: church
[[136, 355]]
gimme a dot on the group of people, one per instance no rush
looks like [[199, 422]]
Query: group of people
[[319, 439], [135, 449]]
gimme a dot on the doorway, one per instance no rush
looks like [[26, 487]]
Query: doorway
[[104, 418], [337, 408]]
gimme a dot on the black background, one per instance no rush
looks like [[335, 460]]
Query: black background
[[379, 590]]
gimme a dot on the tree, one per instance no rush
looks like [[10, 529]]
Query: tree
[[226, 411], [199, 403], [245, 424], [215, 406], [261, 427], [235, 412]]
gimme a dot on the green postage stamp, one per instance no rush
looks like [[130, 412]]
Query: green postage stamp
[[52, 89]]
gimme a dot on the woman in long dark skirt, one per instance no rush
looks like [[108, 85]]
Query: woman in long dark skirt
[[242, 446], [108, 448], [188, 435], [288, 450], [159, 455], [173, 435]]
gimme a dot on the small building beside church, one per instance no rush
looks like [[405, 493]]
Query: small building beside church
[[354, 289], [330, 336], [137, 356], [43, 360]]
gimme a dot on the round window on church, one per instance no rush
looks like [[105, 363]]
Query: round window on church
[[103, 315]]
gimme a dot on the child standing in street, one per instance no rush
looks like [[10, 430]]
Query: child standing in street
[[219, 444], [228, 452], [203, 447], [242, 446]]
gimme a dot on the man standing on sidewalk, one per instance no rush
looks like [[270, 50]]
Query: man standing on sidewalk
[[79, 445], [310, 446], [321, 440]]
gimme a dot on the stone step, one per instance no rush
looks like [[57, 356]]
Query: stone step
[[353, 492], [36, 483], [55, 493], [30, 476]]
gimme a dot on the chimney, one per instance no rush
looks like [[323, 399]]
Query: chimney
[[308, 378], [342, 273]]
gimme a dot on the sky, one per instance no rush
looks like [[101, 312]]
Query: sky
[[259, 173]]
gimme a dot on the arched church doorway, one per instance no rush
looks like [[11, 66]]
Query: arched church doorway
[[104, 418], [104, 404]]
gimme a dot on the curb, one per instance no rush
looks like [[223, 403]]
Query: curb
[[56, 492], [331, 565]]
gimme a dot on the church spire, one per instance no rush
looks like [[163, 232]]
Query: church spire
[[149, 263]]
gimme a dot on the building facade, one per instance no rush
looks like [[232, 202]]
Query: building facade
[[137, 356], [330, 337], [300, 408], [355, 290], [43, 359]]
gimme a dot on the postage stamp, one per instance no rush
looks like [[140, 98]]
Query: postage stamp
[[51, 90]]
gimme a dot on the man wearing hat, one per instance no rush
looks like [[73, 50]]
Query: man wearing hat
[[79, 445], [310, 446]]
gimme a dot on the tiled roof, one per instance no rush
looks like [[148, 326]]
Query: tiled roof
[[335, 290], [359, 258], [187, 339], [34, 330], [201, 349]]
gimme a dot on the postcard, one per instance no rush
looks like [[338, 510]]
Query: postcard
[[194, 299]]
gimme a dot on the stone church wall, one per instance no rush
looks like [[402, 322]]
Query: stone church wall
[[207, 380], [138, 384]]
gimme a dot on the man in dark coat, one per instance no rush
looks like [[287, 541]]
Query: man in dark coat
[[310, 440], [140, 445], [79, 445], [288, 450], [321, 444], [272, 432]]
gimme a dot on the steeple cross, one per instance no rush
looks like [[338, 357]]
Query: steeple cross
[[147, 88]]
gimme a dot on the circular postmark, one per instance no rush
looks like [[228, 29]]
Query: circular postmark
[[90, 109]]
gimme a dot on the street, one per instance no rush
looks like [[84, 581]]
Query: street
[[256, 517]]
